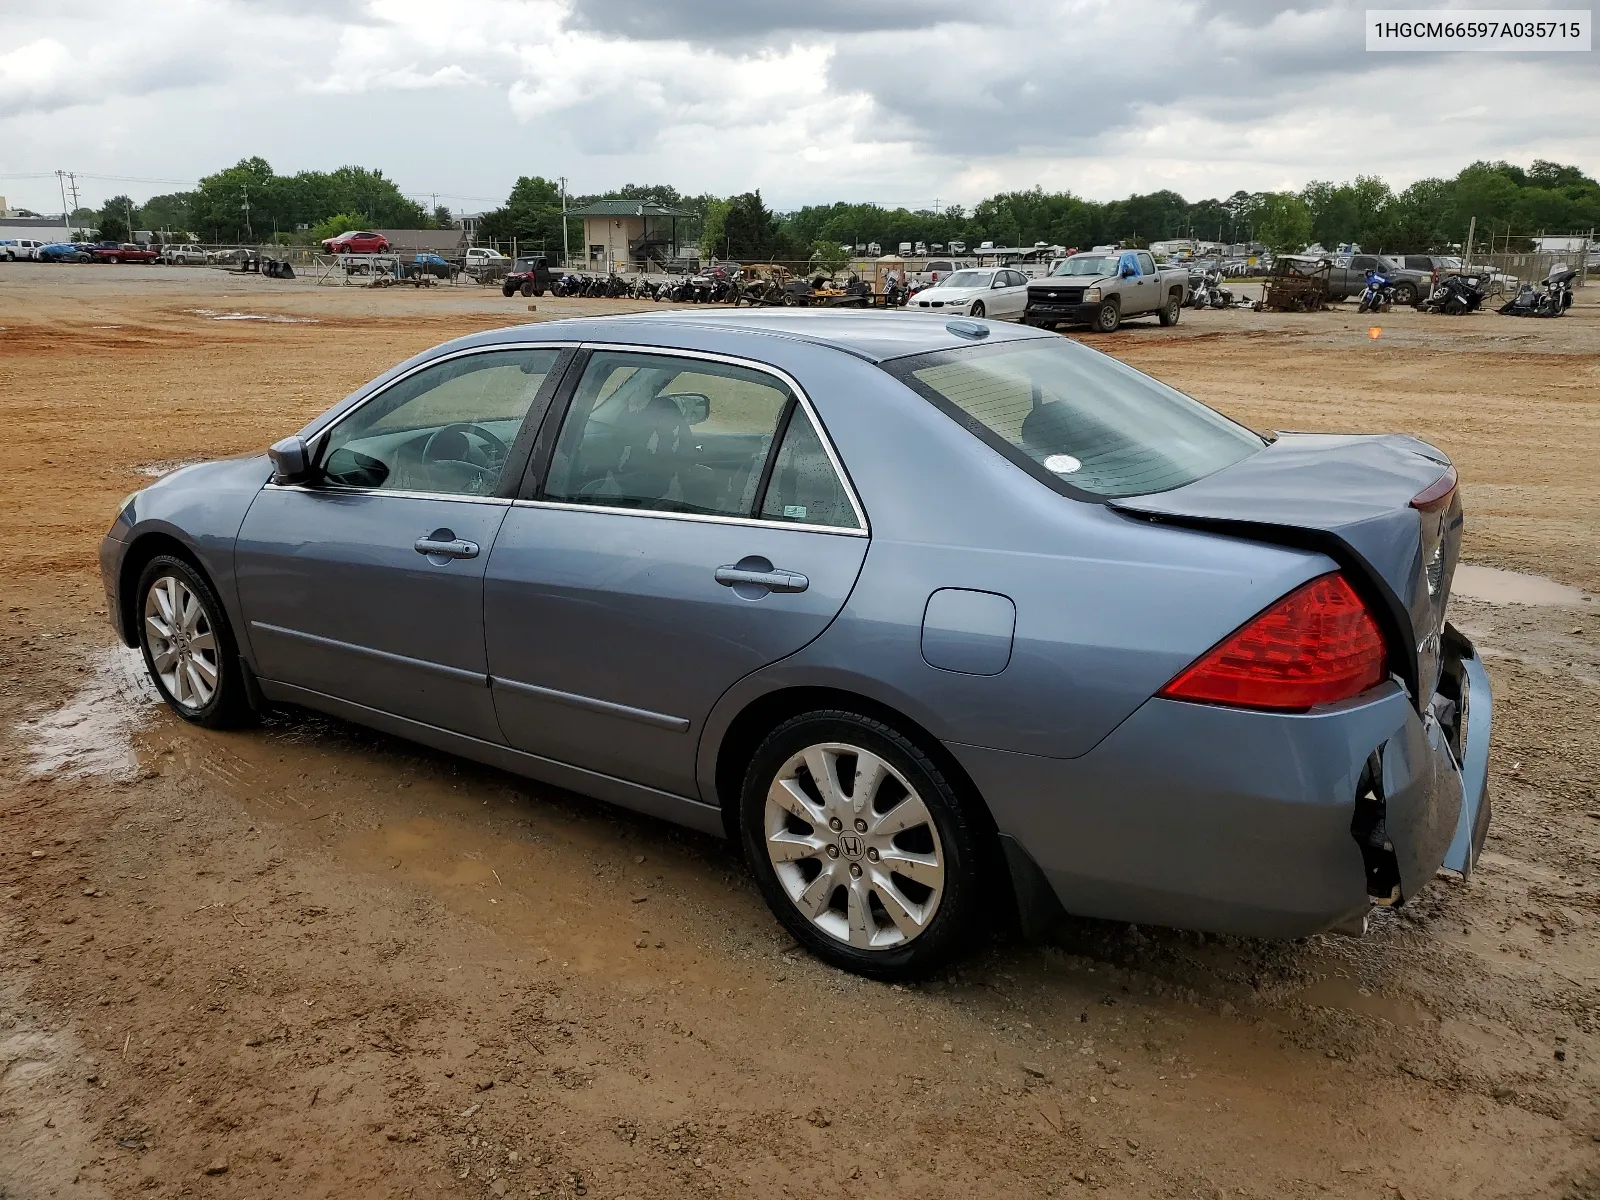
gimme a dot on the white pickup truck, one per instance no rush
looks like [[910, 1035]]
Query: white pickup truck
[[1101, 288], [11, 251]]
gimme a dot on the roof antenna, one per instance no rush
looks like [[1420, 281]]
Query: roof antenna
[[968, 329]]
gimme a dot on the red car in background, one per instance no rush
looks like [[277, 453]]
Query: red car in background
[[357, 242], [121, 252]]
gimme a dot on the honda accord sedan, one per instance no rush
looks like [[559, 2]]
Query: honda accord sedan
[[951, 626]]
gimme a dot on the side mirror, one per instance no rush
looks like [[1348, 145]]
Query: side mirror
[[998, 283], [291, 460], [695, 406]]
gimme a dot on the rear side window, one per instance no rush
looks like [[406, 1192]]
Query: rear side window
[[1076, 419], [804, 487]]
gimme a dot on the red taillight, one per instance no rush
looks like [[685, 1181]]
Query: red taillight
[[1317, 645], [1437, 494]]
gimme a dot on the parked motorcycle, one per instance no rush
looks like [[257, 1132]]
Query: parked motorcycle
[[1208, 292], [1454, 296], [1550, 298], [1378, 294]]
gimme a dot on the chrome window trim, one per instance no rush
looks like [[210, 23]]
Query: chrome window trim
[[710, 518], [863, 527], [337, 490]]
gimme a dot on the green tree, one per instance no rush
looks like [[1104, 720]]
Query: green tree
[[334, 226], [531, 214], [112, 219], [829, 256], [1282, 222], [752, 233], [443, 218]]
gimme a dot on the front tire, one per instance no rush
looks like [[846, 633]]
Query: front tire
[[862, 848], [527, 291], [978, 309], [1109, 317], [188, 646], [508, 292]]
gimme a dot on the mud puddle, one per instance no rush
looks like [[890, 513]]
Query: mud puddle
[[92, 734], [1491, 585]]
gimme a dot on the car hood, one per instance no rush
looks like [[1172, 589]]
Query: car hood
[[1067, 281], [951, 294]]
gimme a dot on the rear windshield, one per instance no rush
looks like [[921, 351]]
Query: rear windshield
[[1077, 419]]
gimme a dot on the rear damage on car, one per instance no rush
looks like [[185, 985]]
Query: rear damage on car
[[1311, 749], [1387, 510]]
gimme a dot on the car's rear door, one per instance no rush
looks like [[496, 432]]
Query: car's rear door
[[367, 586], [685, 524]]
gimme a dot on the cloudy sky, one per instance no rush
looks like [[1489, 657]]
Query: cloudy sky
[[897, 101]]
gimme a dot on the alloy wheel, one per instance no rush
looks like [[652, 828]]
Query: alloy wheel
[[183, 644], [854, 846]]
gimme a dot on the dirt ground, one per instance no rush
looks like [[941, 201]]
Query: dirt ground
[[309, 959]]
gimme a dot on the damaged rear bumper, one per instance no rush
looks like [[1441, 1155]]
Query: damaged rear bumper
[[1241, 822]]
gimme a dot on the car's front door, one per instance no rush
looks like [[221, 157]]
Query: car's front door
[[691, 526], [367, 586], [1013, 293]]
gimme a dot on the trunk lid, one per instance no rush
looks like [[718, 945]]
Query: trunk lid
[[1351, 498]]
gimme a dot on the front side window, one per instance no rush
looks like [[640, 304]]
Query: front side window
[[446, 429], [666, 433], [1076, 419]]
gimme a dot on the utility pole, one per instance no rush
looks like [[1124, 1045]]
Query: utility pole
[[68, 180], [66, 213], [128, 205], [566, 256], [249, 233]]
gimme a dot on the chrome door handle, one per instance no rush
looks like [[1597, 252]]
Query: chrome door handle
[[432, 544], [775, 579]]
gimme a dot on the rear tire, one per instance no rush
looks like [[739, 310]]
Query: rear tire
[[189, 647], [891, 892], [1172, 311], [1108, 319], [1405, 294]]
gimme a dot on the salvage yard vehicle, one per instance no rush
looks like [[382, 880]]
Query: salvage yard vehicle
[[1350, 280], [63, 252], [22, 248], [183, 254], [1110, 652], [530, 276], [986, 292], [123, 252], [1102, 289], [356, 241]]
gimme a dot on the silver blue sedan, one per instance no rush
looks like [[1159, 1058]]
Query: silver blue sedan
[[951, 626]]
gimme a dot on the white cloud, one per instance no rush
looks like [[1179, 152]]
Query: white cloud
[[860, 99]]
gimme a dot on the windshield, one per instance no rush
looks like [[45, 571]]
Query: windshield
[[1087, 264], [968, 279], [1076, 418]]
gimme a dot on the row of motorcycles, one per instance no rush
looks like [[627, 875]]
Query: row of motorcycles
[[1550, 298], [718, 285]]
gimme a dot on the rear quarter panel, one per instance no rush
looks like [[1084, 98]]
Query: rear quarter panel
[[1108, 608]]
